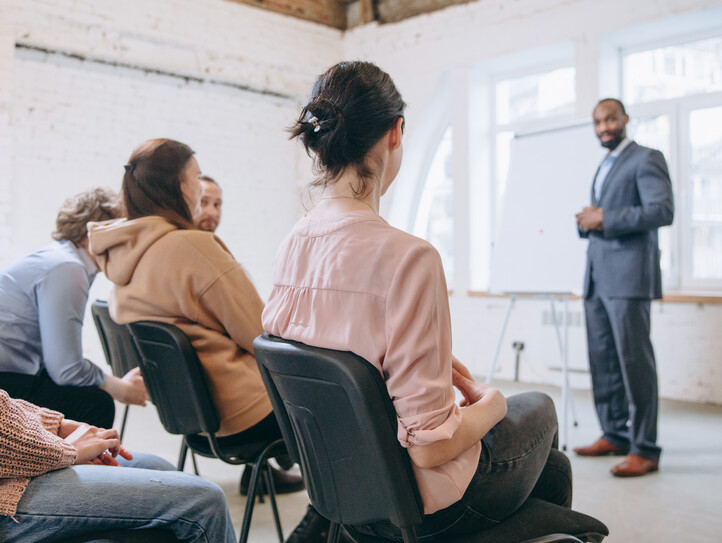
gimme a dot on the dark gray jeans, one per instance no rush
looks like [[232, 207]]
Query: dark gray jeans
[[519, 459]]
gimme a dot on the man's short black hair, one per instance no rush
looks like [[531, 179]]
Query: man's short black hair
[[616, 101]]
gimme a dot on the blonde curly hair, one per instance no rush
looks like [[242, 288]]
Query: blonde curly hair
[[93, 205]]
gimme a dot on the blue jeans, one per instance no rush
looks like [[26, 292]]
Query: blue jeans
[[519, 459], [146, 493]]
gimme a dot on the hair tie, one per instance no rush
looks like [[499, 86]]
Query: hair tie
[[316, 125], [129, 167]]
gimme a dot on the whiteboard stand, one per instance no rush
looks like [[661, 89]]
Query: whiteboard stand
[[495, 361], [567, 398]]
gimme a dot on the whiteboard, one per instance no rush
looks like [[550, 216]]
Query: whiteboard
[[537, 248]]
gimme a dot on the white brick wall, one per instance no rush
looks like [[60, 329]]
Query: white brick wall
[[75, 124], [224, 78]]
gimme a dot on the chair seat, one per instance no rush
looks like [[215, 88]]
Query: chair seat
[[243, 453], [532, 522]]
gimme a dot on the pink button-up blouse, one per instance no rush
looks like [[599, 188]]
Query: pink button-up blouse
[[350, 281]]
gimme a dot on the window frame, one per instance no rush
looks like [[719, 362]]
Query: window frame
[[680, 278]]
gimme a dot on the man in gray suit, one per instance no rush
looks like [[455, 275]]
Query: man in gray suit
[[631, 199]]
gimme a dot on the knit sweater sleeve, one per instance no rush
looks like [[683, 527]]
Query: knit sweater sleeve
[[47, 417], [29, 447]]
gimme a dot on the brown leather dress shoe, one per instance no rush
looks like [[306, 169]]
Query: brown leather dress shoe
[[635, 466], [601, 447], [283, 482]]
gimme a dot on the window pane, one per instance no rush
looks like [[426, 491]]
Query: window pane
[[706, 192], [435, 215], [651, 132], [707, 252], [536, 96], [674, 71]]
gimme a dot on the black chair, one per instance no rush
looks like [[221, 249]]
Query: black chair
[[340, 426], [117, 346], [177, 383], [121, 355]]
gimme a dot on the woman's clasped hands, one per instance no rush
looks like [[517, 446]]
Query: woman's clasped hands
[[94, 445]]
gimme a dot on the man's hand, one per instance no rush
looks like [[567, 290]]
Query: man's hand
[[136, 393], [129, 390], [590, 218]]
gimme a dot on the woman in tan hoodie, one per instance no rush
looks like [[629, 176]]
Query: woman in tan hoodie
[[165, 270]]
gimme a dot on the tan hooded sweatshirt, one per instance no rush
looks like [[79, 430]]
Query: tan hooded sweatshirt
[[189, 278]]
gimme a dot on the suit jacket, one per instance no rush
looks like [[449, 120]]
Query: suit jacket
[[636, 199]]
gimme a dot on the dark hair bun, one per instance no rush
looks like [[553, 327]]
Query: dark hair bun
[[352, 107]]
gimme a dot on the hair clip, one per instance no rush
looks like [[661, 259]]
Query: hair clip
[[129, 167], [315, 123]]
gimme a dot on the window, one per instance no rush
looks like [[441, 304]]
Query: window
[[673, 71], [536, 96], [435, 214], [705, 187], [523, 92], [673, 94], [525, 103]]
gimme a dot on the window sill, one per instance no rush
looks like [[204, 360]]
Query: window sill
[[669, 297]]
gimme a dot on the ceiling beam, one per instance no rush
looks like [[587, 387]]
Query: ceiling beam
[[345, 14], [327, 12], [392, 11]]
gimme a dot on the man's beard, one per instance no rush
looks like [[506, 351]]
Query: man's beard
[[616, 140]]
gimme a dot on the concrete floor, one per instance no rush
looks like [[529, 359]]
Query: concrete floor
[[680, 503]]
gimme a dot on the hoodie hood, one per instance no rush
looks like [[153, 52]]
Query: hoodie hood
[[119, 244]]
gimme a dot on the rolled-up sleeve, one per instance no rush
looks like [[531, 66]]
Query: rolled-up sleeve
[[417, 364], [61, 296]]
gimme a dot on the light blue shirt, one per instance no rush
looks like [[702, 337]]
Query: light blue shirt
[[606, 165], [42, 305]]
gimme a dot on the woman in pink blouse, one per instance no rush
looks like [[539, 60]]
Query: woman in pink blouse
[[345, 279]]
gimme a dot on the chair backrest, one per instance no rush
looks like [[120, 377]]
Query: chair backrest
[[115, 339], [174, 378], [338, 420]]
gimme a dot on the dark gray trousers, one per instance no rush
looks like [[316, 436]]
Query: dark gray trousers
[[519, 459], [624, 372]]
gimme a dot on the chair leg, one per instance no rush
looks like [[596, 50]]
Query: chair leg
[[182, 455], [250, 502], [122, 424], [258, 465], [270, 485], [262, 486], [195, 464], [333, 533]]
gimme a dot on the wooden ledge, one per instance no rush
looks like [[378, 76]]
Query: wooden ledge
[[669, 297]]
